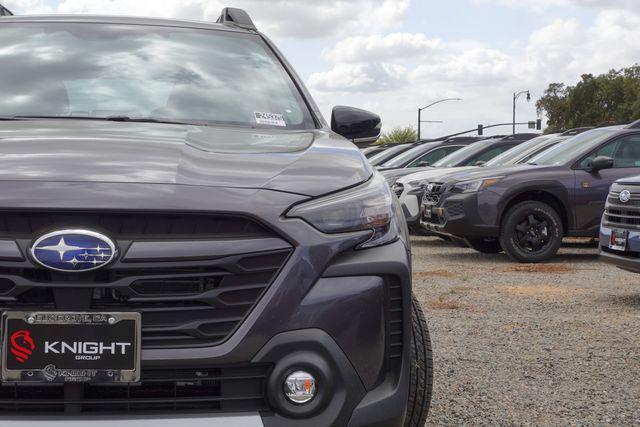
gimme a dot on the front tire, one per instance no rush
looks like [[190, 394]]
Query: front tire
[[486, 246], [421, 374], [531, 232]]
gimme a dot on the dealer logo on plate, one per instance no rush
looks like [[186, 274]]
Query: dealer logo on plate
[[73, 250]]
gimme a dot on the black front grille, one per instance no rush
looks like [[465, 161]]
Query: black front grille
[[229, 389], [433, 192], [454, 208], [184, 303]]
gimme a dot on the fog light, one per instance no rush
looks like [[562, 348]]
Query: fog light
[[300, 387]]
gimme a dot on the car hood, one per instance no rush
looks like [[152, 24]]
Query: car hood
[[435, 174], [483, 173], [309, 162]]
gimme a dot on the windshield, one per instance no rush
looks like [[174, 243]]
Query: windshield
[[520, 152], [459, 157], [387, 154], [407, 156], [74, 70], [569, 150]]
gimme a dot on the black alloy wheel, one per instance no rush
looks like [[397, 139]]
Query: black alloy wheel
[[531, 232]]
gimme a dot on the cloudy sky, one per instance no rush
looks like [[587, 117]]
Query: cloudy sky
[[392, 56]]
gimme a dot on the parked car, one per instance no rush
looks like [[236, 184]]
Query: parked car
[[526, 210], [426, 154], [183, 235], [373, 150], [410, 188], [620, 227], [391, 152], [471, 155]]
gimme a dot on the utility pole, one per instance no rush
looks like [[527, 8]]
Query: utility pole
[[431, 105], [515, 98]]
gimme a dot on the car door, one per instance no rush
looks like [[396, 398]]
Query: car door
[[591, 188]]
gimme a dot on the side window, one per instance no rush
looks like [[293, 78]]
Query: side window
[[607, 151], [628, 153], [433, 156], [489, 154]]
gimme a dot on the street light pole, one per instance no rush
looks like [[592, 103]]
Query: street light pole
[[431, 105], [515, 98]]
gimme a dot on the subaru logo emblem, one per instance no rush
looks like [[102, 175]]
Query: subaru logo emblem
[[625, 196], [73, 250]]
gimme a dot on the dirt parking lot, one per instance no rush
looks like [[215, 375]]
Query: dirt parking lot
[[549, 344]]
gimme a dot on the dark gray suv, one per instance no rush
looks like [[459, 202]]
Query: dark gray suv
[[182, 234]]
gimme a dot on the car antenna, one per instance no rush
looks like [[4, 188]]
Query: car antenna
[[236, 17]]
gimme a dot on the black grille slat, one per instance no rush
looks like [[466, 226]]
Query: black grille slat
[[131, 225], [394, 320], [183, 389]]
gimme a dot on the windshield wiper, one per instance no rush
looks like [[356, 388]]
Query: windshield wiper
[[108, 118], [146, 120]]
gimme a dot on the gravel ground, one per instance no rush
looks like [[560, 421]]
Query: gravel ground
[[548, 344]]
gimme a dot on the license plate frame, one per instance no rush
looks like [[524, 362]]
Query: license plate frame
[[98, 327], [619, 240]]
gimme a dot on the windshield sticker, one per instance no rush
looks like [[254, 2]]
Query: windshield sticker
[[271, 119]]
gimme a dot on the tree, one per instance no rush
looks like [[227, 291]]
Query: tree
[[398, 136], [611, 97]]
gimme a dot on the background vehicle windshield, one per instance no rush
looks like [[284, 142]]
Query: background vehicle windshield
[[387, 154], [100, 70], [519, 152], [454, 159], [407, 156], [574, 147]]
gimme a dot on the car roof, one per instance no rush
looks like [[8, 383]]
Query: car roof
[[126, 20]]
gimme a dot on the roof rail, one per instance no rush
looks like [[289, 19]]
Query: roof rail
[[236, 17], [634, 125], [4, 11], [611, 124], [576, 131]]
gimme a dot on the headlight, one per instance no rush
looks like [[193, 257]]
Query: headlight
[[417, 184], [474, 185], [366, 207]]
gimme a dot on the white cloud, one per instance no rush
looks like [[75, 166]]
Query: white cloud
[[288, 18], [484, 76], [367, 78], [402, 46], [543, 5], [33, 6]]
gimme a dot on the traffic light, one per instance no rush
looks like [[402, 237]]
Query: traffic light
[[480, 130], [539, 124]]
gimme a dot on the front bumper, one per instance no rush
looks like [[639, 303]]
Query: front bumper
[[329, 305], [456, 215], [628, 259], [230, 420]]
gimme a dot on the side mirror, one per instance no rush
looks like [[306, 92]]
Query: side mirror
[[600, 163], [423, 164], [480, 163], [358, 125]]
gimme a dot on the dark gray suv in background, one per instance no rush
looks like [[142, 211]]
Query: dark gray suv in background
[[526, 210], [182, 234]]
